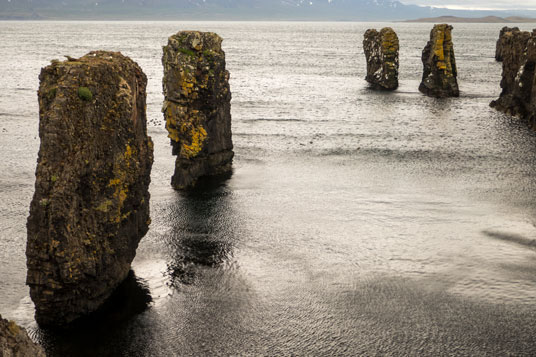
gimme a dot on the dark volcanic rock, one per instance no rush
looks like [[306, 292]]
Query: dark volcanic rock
[[381, 51], [505, 36], [14, 341], [518, 76], [439, 75], [197, 106], [91, 203]]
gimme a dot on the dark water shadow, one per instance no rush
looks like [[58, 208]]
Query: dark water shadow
[[203, 230], [511, 238], [87, 335]]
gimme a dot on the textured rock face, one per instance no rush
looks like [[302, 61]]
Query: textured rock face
[[518, 76], [439, 78], [505, 36], [197, 106], [381, 51], [91, 203], [14, 341]]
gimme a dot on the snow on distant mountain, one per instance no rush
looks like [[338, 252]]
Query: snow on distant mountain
[[329, 10]]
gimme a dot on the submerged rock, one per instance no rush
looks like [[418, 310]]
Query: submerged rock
[[505, 37], [439, 77], [14, 341], [197, 106], [381, 51], [518, 76], [91, 203]]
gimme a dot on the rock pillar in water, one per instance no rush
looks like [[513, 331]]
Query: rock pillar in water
[[14, 341], [197, 106], [439, 75], [505, 36], [518, 96], [381, 51], [91, 203]]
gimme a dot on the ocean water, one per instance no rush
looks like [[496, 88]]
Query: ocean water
[[355, 222]]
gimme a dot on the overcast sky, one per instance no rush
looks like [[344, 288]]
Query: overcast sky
[[476, 4]]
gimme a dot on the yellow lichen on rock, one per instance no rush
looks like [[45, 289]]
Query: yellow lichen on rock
[[439, 50], [171, 124], [13, 328], [120, 183], [198, 136], [104, 206]]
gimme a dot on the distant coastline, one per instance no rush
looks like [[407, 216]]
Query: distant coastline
[[481, 20]]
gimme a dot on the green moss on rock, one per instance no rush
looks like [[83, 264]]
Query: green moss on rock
[[85, 94]]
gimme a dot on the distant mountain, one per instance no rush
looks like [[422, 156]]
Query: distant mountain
[[328, 10], [486, 19]]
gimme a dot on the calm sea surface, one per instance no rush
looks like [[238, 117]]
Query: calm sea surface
[[355, 223]]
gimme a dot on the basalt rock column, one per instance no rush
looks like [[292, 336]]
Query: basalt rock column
[[381, 51], [505, 36], [439, 75], [518, 96], [197, 106], [14, 341], [91, 203]]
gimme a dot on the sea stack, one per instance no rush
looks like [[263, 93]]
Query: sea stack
[[518, 77], [197, 106], [439, 75], [15, 342], [505, 36], [381, 50], [91, 203]]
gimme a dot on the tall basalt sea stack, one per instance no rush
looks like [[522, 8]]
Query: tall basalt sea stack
[[505, 36], [518, 96], [439, 77], [197, 106], [381, 50], [14, 341], [91, 203]]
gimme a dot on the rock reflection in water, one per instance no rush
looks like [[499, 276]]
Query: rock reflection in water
[[87, 336], [201, 236]]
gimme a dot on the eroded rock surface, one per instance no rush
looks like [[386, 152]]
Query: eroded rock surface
[[381, 50], [440, 75], [197, 106], [518, 76], [14, 341], [91, 203], [505, 36]]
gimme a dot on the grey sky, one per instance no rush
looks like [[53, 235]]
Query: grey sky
[[476, 4]]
